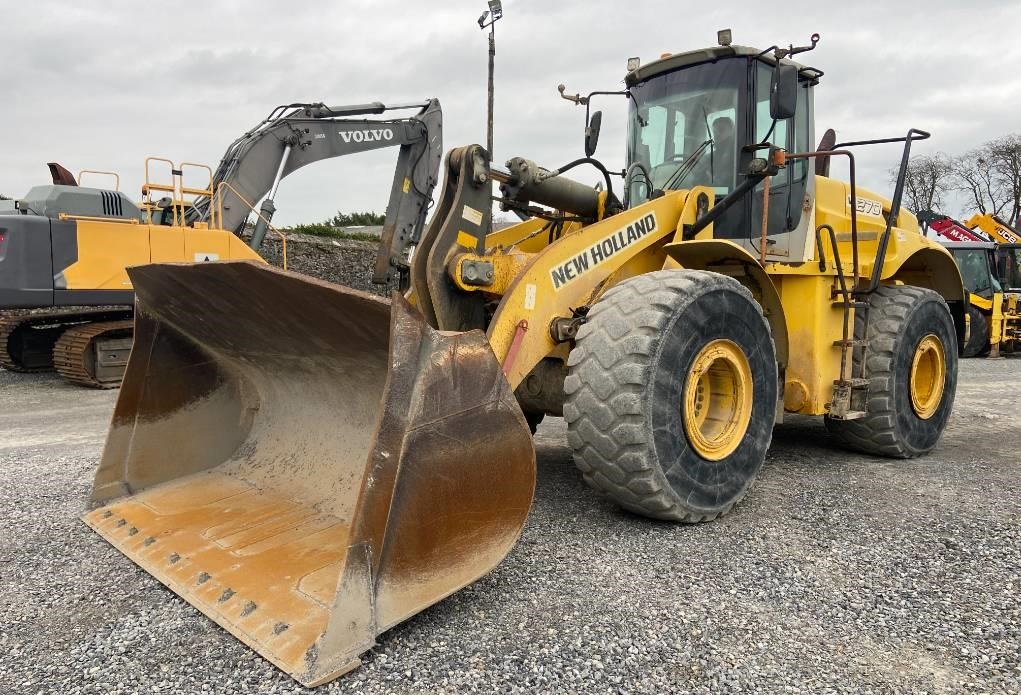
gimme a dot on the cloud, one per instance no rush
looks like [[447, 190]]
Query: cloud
[[103, 86]]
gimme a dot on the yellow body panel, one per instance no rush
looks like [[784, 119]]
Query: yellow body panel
[[800, 297], [107, 249], [814, 322], [574, 270]]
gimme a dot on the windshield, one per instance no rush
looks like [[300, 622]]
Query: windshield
[[1009, 262], [974, 265], [682, 128]]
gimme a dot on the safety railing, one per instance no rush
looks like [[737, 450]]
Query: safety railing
[[177, 189], [115, 175], [216, 215]]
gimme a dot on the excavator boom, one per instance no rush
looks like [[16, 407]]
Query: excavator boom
[[296, 135]]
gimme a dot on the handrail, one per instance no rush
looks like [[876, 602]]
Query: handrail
[[148, 187], [207, 191], [88, 218], [216, 211], [115, 175]]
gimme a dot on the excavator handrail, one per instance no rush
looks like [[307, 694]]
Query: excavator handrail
[[149, 186], [188, 190], [218, 216], [114, 174]]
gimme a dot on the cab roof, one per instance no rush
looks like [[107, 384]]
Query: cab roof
[[710, 55], [968, 244]]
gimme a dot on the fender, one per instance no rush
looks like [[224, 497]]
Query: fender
[[727, 258], [935, 269]]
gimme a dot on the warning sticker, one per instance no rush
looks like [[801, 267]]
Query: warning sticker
[[472, 215], [206, 257], [601, 251]]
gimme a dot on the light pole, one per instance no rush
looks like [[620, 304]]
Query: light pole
[[494, 13]]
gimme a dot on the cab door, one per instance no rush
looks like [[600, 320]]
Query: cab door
[[787, 190]]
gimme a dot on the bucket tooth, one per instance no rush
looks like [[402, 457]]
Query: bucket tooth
[[306, 464]]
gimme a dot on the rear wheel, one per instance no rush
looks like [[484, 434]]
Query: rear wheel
[[911, 367], [671, 394], [978, 336]]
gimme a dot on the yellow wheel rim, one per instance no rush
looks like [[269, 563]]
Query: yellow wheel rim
[[718, 400], [928, 372]]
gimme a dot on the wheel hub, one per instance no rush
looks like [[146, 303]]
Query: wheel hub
[[718, 397], [928, 374]]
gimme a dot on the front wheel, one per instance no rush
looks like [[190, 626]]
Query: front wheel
[[671, 394], [911, 368]]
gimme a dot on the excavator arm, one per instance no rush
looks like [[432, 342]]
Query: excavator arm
[[296, 135]]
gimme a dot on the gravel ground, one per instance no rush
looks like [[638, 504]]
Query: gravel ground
[[839, 573]]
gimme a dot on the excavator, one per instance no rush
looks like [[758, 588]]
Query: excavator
[[67, 246], [987, 253], [340, 462]]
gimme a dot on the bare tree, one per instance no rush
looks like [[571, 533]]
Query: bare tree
[[1005, 162], [927, 180], [3, 197], [991, 176], [974, 176]]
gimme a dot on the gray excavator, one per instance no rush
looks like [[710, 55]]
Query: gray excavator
[[67, 246]]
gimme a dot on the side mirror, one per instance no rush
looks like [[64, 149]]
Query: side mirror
[[592, 133], [783, 92]]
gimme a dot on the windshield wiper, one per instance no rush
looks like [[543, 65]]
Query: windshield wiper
[[686, 167]]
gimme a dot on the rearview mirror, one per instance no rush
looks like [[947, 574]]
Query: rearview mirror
[[592, 133], [783, 92]]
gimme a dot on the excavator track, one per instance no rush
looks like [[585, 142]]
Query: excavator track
[[94, 354], [27, 339]]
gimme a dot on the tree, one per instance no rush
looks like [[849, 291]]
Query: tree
[[3, 197], [1005, 161], [991, 176], [927, 181]]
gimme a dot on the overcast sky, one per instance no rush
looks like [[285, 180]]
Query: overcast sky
[[101, 85]]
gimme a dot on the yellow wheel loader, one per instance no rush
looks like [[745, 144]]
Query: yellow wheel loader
[[309, 466]]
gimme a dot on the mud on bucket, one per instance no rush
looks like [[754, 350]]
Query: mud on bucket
[[305, 465]]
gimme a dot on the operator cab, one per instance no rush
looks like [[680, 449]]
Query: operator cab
[[699, 118], [1008, 266], [976, 261]]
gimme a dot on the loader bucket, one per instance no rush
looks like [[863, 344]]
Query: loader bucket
[[304, 463]]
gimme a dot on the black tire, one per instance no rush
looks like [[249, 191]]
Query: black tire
[[898, 319], [978, 337], [625, 393]]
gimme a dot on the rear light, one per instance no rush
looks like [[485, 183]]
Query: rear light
[[3, 243]]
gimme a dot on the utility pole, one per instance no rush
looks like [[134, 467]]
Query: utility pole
[[494, 13]]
